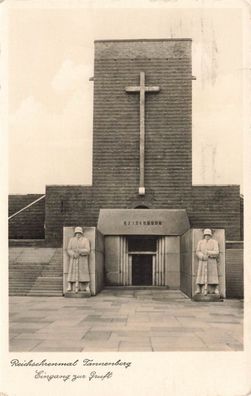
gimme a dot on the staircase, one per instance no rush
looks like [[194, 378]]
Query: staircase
[[22, 278], [35, 271], [50, 280]]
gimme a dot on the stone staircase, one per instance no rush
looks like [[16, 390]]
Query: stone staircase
[[35, 271], [50, 280], [22, 277]]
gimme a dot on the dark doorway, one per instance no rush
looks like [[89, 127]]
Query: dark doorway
[[142, 269]]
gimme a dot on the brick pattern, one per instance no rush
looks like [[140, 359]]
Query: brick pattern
[[234, 273], [168, 149], [135, 49], [168, 152], [242, 216], [29, 224], [168, 138], [68, 206], [216, 207]]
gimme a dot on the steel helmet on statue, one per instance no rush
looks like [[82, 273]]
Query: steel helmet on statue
[[78, 230]]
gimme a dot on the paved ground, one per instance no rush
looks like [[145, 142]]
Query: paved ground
[[125, 320]]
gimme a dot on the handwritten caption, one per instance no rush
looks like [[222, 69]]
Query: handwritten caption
[[92, 370]]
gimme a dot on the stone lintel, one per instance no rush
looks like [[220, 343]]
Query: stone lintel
[[143, 222]]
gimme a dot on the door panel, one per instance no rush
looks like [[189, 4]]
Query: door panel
[[142, 270]]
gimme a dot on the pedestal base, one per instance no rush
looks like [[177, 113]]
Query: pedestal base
[[207, 298], [80, 294]]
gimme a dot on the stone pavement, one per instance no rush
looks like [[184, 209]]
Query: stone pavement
[[125, 320]]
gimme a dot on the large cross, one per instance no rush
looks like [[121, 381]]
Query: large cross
[[142, 89]]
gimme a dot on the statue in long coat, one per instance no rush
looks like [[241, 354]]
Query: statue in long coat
[[207, 252], [78, 250]]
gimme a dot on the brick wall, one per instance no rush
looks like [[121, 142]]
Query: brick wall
[[216, 207], [168, 138], [168, 143], [68, 206], [234, 271], [29, 224], [242, 217]]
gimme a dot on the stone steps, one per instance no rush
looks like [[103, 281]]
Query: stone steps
[[16, 277], [50, 281], [36, 272], [45, 293], [47, 283], [21, 278]]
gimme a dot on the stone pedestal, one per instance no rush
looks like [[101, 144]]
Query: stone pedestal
[[207, 298], [80, 294]]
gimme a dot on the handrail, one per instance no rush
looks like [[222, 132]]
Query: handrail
[[26, 207]]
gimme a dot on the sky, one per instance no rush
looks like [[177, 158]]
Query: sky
[[51, 56]]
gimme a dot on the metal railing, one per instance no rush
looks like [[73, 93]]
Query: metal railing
[[26, 207]]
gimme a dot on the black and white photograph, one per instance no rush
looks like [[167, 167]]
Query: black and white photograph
[[127, 185]]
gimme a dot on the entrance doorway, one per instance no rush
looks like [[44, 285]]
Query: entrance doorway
[[142, 270], [142, 249]]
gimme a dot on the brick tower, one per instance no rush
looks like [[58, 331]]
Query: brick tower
[[142, 137], [167, 165]]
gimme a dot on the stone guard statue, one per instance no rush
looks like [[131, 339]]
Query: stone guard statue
[[78, 250], [207, 251]]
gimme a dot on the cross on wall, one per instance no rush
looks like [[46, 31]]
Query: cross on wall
[[142, 89]]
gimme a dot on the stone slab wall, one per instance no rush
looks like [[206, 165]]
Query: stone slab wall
[[167, 261], [172, 262], [96, 261], [186, 259], [112, 260], [99, 261], [234, 271]]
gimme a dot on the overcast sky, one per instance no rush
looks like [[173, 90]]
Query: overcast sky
[[51, 55]]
